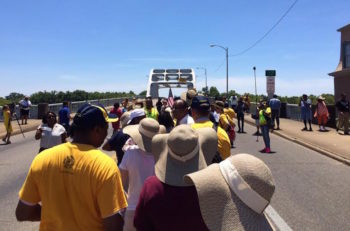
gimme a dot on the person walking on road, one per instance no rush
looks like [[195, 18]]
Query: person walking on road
[[200, 111], [150, 111], [64, 116], [306, 111], [138, 164], [275, 105], [240, 108], [343, 107], [24, 106], [321, 113], [50, 133], [7, 122], [265, 121], [117, 112], [181, 113], [166, 201], [75, 186], [234, 194]]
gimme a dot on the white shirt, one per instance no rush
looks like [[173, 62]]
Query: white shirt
[[140, 166], [25, 104], [186, 120], [51, 136]]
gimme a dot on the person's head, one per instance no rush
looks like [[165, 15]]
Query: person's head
[[240, 99], [138, 103], [320, 99], [165, 119], [343, 96], [51, 119], [90, 125], [5, 107], [180, 109], [304, 97], [136, 116], [125, 103], [164, 102], [149, 103], [116, 105], [275, 96], [200, 107], [65, 104], [226, 105], [219, 106], [26, 97]]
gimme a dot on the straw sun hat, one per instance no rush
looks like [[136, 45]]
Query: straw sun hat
[[233, 194], [181, 152], [143, 133]]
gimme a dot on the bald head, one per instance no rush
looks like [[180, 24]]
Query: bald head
[[180, 109]]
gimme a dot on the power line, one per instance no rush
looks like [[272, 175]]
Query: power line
[[268, 32], [218, 68]]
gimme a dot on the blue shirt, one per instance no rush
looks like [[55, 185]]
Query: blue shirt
[[64, 114], [275, 104]]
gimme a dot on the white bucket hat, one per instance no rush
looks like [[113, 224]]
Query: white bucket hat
[[183, 151], [233, 194]]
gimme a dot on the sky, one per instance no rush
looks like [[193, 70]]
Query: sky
[[113, 45]]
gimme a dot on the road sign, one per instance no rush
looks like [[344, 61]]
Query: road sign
[[270, 84], [270, 73]]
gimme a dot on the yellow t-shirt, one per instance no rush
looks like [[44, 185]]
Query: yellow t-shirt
[[7, 122], [224, 144], [225, 121], [77, 186], [262, 120], [230, 112], [153, 113]]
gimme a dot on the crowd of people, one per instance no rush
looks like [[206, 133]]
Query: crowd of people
[[173, 171], [167, 176]]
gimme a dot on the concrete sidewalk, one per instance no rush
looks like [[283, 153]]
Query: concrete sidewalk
[[330, 143]]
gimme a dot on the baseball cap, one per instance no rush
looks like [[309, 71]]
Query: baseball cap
[[200, 102], [136, 113], [89, 111], [90, 115]]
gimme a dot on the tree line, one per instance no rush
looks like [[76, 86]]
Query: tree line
[[60, 96]]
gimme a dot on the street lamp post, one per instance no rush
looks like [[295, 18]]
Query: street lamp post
[[226, 50], [206, 80]]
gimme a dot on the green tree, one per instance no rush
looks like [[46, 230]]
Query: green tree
[[14, 97], [213, 92], [143, 93]]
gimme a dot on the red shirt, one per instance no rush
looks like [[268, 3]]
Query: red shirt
[[119, 113], [166, 207]]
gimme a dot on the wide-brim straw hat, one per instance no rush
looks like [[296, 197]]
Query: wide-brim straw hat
[[188, 95], [183, 151], [233, 194], [124, 119], [320, 98], [219, 104], [143, 133]]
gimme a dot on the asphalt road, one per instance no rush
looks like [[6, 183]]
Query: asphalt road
[[312, 191]]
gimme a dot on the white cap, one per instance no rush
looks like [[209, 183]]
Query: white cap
[[136, 113]]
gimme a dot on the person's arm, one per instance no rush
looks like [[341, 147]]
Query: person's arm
[[125, 179], [38, 133], [64, 137], [107, 147], [26, 212], [113, 223]]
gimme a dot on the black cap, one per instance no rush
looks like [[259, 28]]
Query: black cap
[[200, 102], [89, 114]]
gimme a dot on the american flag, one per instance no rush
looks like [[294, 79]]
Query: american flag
[[170, 98]]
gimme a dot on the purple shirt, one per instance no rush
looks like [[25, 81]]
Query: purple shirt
[[166, 207]]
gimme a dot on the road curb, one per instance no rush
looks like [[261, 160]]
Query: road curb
[[318, 149]]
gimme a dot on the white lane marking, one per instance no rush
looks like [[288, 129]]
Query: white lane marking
[[279, 223]]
